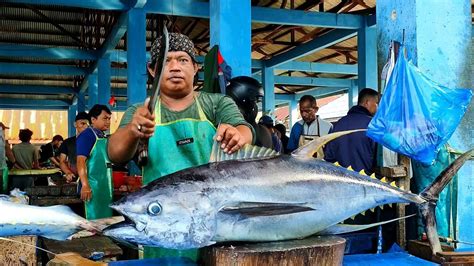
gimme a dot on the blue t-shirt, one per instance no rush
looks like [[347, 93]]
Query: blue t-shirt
[[86, 140]]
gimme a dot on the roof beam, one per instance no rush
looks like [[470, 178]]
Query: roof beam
[[20, 89], [312, 46], [318, 67], [321, 92], [17, 68], [306, 81], [110, 43], [305, 18], [198, 9], [14, 103], [92, 4], [16, 50]]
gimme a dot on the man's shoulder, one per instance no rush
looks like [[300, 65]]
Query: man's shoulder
[[212, 97], [325, 122], [88, 133]]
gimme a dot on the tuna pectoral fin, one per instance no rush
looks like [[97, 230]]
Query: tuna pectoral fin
[[348, 228], [431, 195], [307, 150], [255, 209]]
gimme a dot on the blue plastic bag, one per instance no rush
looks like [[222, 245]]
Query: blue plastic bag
[[416, 116]]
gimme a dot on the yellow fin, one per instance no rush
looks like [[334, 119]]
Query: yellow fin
[[336, 164], [381, 207], [390, 204], [384, 180], [393, 184], [372, 209], [306, 151], [373, 176], [350, 168], [363, 213], [362, 172], [352, 217]]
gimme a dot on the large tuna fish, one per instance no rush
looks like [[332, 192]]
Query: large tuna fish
[[275, 197]]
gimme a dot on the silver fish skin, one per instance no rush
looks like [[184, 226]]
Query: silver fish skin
[[261, 200], [55, 222]]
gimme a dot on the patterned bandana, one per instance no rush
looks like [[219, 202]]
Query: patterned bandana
[[177, 42]]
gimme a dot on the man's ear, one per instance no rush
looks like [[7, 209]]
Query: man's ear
[[150, 69], [196, 68]]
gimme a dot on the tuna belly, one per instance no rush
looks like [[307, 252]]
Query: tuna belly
[[270, 228], [56, 232]]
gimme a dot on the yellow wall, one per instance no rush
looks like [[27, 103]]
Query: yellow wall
[[44, 124]]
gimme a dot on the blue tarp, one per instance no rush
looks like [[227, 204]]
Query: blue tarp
[[178, 261], [385, 259]]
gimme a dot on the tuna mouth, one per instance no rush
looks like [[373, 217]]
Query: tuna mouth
[[130, 218]]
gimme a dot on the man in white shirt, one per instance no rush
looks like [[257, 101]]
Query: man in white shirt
[[309, 127]]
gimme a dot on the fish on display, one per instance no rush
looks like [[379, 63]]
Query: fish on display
[[55, 222], [258, 195]]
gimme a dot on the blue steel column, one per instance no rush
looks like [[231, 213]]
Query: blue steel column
[[231, 29], [268, 78], [71, 116], [367, 57], [438, 40], [103, 76], [293, 112], [92, 90], [353, 92], [81, 102], [136, 56]]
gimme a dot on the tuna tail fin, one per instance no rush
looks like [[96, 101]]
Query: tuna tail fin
[[431, 194], [306, 151]]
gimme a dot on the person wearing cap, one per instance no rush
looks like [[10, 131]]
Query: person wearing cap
[[67, 150], [25, 153], [181, 132], [309, 127], [267, 121], [93, 165], [246, 92]]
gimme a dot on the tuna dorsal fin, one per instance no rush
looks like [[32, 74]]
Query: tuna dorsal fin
[[347, 228], [248, 152], [255, 209], [306, 151]]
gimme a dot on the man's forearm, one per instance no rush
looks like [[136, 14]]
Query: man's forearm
[[122, 145], [55, 161], [82, 170], [65, 168]]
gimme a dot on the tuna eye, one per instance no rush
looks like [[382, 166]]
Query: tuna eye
[[154, 208]]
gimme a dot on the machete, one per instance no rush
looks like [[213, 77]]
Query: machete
[[155, 92]]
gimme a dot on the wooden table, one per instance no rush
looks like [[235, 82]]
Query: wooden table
[[85, 247]]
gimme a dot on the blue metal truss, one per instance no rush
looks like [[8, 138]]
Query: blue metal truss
[[19, 89], [18, 68], [312, 46], [19, 51], [346, 26]]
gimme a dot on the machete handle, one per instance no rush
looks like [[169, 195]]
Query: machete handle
[[142, 153]]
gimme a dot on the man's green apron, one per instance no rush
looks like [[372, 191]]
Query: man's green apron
[[100, 180], [176, 146]]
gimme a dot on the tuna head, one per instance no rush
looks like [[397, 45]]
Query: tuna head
[[178, 217]]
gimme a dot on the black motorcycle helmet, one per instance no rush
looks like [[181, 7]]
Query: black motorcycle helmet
[[246, 92]]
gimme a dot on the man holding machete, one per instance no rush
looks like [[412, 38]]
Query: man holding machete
[[182, 128]]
